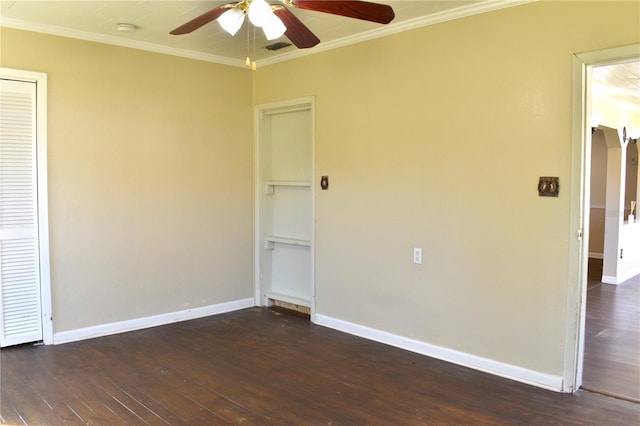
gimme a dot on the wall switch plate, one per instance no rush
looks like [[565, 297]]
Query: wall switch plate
[[417, 256], [548, 186]]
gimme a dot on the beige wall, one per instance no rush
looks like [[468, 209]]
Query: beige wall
[[150, 179], [435, 138]]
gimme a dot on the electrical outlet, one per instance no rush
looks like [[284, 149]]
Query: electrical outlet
[[417, 256]]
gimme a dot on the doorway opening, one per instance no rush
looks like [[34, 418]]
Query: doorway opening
[[284, 217], [606, 262], [612, 324]]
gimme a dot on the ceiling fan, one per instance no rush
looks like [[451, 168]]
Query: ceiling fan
[[276, 19]]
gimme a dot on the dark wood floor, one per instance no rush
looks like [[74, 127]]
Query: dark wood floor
[[612, 336], [260, 366]]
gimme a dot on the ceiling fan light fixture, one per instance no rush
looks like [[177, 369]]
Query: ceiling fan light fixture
[[259, 12], [232, 20], [273, 27]]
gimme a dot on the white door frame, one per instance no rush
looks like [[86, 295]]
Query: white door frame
[[579, 215], [259, 112], [40, 79]]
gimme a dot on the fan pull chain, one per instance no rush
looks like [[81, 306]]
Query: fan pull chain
[[253, 65], [247, 62]]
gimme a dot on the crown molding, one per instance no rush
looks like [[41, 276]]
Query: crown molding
[[117, 41], [411, 24], [389, 29]]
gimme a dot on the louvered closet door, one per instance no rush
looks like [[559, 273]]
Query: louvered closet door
[[20, 319]]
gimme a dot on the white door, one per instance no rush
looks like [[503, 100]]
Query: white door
[[285, 216], [20, 305]]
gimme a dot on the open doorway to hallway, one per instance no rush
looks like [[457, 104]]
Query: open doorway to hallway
[[611, 363]]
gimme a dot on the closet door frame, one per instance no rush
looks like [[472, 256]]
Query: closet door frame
[[40, 80], [259, 113]]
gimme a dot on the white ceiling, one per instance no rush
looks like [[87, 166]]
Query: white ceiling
[[97, 21], [618, 84]]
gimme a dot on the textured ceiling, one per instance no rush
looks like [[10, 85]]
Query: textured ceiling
[[97, 21], [619, 84]]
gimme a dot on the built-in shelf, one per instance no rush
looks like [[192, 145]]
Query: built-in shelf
[[289, 299], [270, 240], [285, 217], [271, 184], [288, 183]]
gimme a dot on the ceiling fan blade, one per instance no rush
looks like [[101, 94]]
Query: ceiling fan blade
[[374, 12], [296, 31], [201, 20]]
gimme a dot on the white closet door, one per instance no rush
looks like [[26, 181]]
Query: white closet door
[[20, 317]]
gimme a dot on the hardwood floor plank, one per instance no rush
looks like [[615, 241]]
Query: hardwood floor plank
[[612, 336], [176, 369], [27, 406], [265, 367]]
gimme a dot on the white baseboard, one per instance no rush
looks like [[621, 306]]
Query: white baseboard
[[593, 255], [152, 321], [513, 372], [610, 279]]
